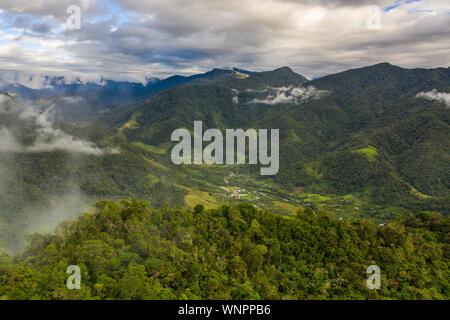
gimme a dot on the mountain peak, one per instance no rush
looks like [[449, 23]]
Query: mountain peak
[[284, 69], [283, 76], [384, 66], [288, 72], [249, 73], [214, 75], [216, 70]]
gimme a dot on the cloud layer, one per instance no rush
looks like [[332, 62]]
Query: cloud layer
[[134, 39], [24, 130], [434, 95], [288, 95]]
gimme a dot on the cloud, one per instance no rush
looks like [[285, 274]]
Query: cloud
[[434, 95], [47, 81], [133, 39], [24, 130], [55, 8], [235, 96], [31, 81], [288, 95], [73, 99]]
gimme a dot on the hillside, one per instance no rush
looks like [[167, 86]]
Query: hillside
[[355, 144], [51, 170], [361, 135], [128, 250], [77, 101]]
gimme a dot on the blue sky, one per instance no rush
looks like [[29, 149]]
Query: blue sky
[[135, 39], [399, 3]]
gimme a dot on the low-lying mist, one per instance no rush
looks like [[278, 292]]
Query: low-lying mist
[[38, 173], [280, 95], [66, 207], [26, 129], [435, 95]]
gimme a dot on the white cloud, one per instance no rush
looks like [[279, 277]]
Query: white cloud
[[235, 96], [434, 95], [24, 130], [56, 8], [41, 81], [289, 95], [132, 39]]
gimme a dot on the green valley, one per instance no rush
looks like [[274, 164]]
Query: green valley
[[358, 159]]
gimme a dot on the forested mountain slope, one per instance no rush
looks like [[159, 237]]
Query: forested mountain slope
[[77, 101], [364, 132], [360, 143], [128, 250]]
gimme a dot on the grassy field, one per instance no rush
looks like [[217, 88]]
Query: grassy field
[[131, 124], [153, 180], [370, 152], [156, 164], [288, 206], [149, 148], [195, 197]]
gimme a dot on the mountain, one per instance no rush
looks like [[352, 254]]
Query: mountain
[[50, 170], [192, 102], [128, 250], [249, 73], [364, 162], [76, 101], [358, 144], [45, 87]]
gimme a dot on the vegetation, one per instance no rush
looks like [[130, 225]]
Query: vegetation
[[367, 149], [128, 250], [363, 174], [369, 136], [370, 152]]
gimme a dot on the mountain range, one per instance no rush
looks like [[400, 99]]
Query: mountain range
[[75, 100], [371, 142]]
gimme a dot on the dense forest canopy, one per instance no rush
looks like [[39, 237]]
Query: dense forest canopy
[[129, 250], [363, 180], [362, 143]]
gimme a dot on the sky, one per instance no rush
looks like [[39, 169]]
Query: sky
[[132, 40]]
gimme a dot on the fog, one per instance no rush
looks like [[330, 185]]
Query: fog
[[280, 95], [25, 129], [434, 95], [30, 138], [290, 95]]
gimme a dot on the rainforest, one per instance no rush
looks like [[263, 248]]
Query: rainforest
[[190, 150]]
